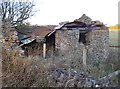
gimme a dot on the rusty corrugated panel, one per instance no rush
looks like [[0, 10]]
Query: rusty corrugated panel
[[40, 32], [31, 29], [35, 32]]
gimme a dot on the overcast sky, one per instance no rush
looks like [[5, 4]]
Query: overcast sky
[[56, 11]]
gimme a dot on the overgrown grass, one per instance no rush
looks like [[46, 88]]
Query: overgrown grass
[[32, 71], [113, 37], [24, 72]]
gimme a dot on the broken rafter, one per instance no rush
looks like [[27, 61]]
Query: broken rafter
[[106, 79], [109, 76], [51, 33]]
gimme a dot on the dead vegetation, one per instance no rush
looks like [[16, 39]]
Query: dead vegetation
[[32, 71], [19, 72]]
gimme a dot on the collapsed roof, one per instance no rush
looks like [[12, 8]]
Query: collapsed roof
[[30, 33], [36, 30], [83, 22], [39, 32]]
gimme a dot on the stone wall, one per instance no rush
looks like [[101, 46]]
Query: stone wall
[[99, 45], [68, 46], [10, 40]]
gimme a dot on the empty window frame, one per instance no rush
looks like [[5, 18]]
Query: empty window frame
[[82, 37]]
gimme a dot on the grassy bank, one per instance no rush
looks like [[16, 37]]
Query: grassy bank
[[113, 37]]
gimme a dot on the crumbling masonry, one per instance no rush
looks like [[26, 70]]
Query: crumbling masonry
[[82, 39]]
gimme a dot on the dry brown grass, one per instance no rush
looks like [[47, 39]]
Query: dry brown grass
[[32, 71], [24, 72]]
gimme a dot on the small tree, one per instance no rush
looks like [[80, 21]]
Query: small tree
[[17, 12]]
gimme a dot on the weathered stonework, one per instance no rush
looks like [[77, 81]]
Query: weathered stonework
[[10, 40], [99, 45], [68, 46]]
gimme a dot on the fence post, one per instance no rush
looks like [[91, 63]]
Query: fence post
[[44, 50], [84, 56]]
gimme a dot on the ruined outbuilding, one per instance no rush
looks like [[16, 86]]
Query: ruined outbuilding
[[33, 38], [81, 39]]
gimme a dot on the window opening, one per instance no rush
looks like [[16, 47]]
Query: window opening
[[82, 37]]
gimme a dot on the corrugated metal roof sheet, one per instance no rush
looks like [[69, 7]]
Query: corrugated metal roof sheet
[[40, 32], [35, 32]]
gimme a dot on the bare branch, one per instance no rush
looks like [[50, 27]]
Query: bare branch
[[17, 12]]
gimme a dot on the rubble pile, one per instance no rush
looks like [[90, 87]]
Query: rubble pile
[[88, 21], [61, 77], [85, 19]]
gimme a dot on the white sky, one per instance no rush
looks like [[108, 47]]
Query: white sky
[[56, 11]]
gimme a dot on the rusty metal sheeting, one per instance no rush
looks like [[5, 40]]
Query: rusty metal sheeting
[[35, 32]]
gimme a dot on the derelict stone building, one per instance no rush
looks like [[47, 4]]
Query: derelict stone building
[[81, 39]]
